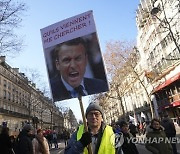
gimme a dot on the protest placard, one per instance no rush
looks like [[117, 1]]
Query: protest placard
[[73, 57]]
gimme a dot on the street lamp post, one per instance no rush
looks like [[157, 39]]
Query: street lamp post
[[35, 121]]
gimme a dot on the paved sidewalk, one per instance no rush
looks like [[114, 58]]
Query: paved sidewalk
[[59, 150], [61, 145]]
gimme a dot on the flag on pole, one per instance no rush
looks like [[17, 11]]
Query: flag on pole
[[131, 118], [143, 115]]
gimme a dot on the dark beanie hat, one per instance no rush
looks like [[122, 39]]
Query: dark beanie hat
[[94, 106], [122, 123], [27, 127]]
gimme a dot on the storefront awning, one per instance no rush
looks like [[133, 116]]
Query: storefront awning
[[167, 82], [176, 103], [173, 104]]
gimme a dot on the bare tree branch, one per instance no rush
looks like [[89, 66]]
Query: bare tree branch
[[10, 18]]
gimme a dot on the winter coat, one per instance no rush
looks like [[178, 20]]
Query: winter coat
[[76, 147], [169, 127], [66, 135], [133, 129], [24, 143], [5, 144], [129, 147], [36, 146], [157, 147]]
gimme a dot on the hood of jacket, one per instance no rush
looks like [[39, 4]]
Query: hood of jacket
[[166, 120], [150, 129]]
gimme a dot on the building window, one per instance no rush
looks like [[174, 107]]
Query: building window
[[164, 64], [164, 43], [176, 53], [4, 106], [169, 62], [9, 85], [4, 94], [9, 107], [13, 88], [5, 83], [16, 96], [169, 38], [9, 96], [13, 97], [151, 56], [159, 67], [178, 88], [12, 108], [174, 90]]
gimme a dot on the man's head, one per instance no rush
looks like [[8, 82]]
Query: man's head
[[155, 123], [124, 126], [94, 115], [28, 128], [40, 132], [165, 114], [71, 61]]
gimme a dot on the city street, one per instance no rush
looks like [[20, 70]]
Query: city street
[[141, 147], [60, 150], [57, 151], [59, 74]]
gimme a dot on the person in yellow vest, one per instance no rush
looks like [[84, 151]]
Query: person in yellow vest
[[100, 135]]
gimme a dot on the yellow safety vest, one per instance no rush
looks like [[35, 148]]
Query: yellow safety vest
[[107, 141]]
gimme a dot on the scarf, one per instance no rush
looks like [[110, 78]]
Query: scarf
[[41, 146]]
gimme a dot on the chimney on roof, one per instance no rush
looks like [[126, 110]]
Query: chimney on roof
[[2, 59], [16, 70]]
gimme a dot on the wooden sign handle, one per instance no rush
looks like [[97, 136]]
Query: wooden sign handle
[[84, 122]]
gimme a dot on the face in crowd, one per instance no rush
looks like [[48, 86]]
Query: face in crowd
[[156, 124], [30, 132], [94, 118], [71, 63], [40, 132], [125, 128]]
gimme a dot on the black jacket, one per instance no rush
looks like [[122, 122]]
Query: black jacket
[[169, 127], [129, 147], [5, 144], [24, 143]]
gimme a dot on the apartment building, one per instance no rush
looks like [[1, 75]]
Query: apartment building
[[21, 102], [154, 89], [158, 42]]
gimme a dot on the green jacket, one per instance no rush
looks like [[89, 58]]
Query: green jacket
[[156, 142]]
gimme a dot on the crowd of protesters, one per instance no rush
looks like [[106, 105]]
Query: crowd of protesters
[[155, 130], [30, 140], [41, 141]]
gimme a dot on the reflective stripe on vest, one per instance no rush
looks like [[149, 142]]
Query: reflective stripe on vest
[[107, 141]]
